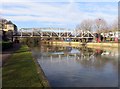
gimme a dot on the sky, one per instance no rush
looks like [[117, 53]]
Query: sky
[[55, 13]]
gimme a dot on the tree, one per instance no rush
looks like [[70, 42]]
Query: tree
[[9, 35], [100, 25], [114, 26], [85, 25]]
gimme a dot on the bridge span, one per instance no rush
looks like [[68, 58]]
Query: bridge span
[[53, 33]]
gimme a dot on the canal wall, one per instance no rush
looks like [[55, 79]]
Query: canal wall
[[68, 43], [103, 44], [44, 80], [74, 44]]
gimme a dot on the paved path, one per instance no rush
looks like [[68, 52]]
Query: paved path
[[7, 53]]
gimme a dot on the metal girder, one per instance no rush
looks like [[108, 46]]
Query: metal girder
[[52, 33]]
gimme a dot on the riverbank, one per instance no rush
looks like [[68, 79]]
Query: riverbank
[[103, 44], [74, 44], [21, 70]]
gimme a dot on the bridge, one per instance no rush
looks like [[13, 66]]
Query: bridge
[[53, 32]]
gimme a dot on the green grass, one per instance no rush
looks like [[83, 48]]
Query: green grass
[[21, 71]]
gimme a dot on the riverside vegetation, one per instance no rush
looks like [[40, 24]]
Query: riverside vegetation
[[22, 71]]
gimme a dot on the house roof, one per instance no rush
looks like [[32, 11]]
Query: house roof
[[3, 20], [9, 22]]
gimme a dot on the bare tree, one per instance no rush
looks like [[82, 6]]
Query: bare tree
[[83, 27], [100, 25], [114, 26], [86, 25]]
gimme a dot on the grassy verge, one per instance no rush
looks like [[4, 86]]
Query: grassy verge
[[21, 71]]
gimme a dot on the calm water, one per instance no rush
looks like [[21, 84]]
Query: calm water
[[78, 67]]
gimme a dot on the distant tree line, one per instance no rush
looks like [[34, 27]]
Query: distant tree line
[[98, 25]]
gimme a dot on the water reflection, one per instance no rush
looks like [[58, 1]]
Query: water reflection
[[79, 67]]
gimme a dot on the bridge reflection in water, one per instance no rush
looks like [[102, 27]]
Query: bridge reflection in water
[[78, 67]]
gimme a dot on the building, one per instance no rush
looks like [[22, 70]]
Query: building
[[9, 26], [7, 29]]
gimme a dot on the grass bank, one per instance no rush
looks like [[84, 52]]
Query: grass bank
[[21, 70]]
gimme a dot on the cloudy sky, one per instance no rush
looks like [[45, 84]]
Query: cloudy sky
[[64, 14]]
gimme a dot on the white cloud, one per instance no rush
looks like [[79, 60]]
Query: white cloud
[[65, 13]]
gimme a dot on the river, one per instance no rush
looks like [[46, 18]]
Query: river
[[78, 66]]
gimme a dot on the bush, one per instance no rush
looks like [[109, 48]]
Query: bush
[[6, 45]]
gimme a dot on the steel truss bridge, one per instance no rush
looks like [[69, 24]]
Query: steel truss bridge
[[52, 33]]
